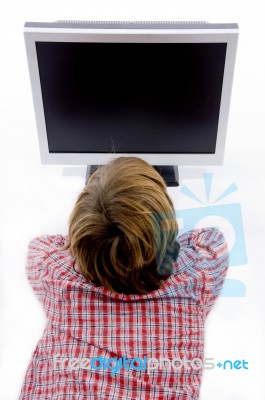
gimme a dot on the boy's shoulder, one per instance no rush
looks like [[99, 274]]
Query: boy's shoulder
[[48, 242], [201, 235]]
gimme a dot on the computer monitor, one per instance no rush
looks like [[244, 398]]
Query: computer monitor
[[156, 90]]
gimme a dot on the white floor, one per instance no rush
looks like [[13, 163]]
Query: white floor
[[36, 199]]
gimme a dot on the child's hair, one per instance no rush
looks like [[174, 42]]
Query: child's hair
[[123, 228]]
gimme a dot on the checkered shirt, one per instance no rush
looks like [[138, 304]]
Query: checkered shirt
[[89, 325]]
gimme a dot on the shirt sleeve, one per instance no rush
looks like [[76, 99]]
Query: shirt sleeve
[[211, 259], [39, 250]]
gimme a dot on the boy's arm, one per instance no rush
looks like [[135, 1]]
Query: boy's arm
[[211, 254], [39, 250]]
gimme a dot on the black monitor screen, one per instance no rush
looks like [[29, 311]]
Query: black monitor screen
[[131, 97]]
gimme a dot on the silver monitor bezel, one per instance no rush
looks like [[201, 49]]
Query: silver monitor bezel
[[149, 33]]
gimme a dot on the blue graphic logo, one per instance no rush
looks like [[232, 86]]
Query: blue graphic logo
[[226, 217]]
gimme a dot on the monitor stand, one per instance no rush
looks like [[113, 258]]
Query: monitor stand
[[169, 173]]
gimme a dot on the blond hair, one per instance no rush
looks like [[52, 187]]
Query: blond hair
[[123, 228]]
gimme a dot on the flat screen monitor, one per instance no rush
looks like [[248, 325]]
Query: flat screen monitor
[[156, 90]]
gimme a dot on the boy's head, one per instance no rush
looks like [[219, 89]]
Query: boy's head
[[123, 228]]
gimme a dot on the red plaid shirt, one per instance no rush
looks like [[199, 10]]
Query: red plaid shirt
[[86, 322]]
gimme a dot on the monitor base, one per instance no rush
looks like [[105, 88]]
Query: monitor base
[[169, 173], [90, 169]]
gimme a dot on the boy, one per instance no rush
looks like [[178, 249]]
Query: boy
[[125, 302]]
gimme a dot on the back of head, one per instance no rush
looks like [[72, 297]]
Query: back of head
[[123, 228]]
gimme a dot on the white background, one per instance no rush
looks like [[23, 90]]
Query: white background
[[37, 199]]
